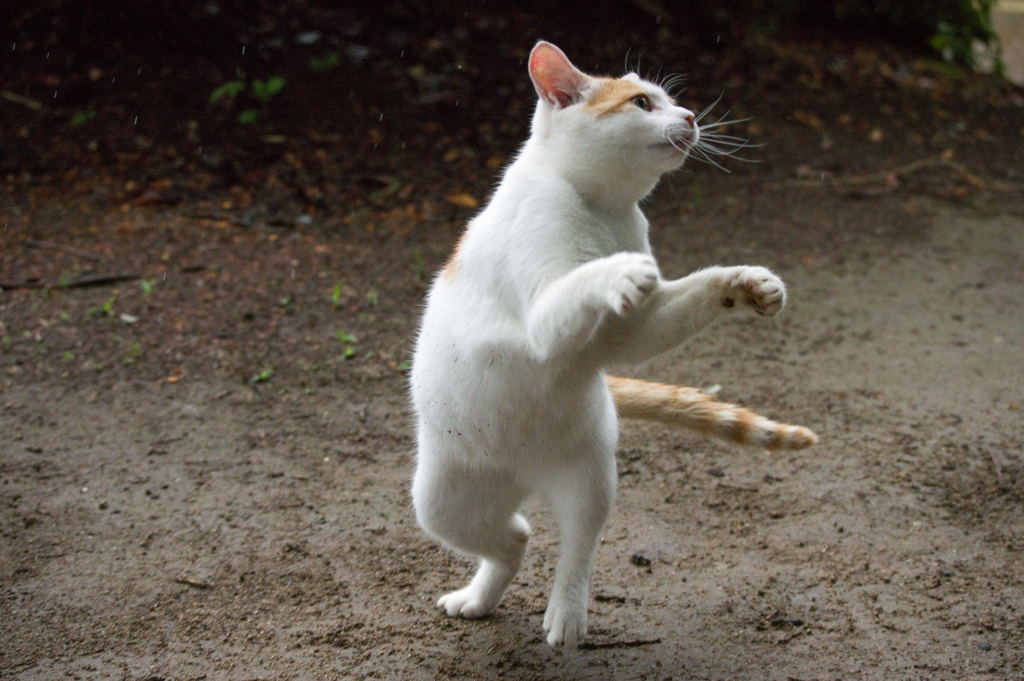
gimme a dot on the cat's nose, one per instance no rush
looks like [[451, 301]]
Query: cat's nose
[[690, 119]]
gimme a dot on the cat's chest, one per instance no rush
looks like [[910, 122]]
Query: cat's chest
[[596, 234]]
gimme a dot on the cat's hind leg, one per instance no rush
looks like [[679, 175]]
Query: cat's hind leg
[[581, 498], [473, 511]]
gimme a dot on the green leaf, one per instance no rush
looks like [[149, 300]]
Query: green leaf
[[82, 117], [419, 264], [263, 376], [248, 116], [231, 89], [263, 90], [347, 337], [324, 63]]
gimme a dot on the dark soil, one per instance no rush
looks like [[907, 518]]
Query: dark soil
[[205, 325]]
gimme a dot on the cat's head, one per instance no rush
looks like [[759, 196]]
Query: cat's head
[[626, 129]]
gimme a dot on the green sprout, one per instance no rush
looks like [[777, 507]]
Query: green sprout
[[419, 265], [82, 117], [263, 90], [263, 376], [230, 89], [324, 63]]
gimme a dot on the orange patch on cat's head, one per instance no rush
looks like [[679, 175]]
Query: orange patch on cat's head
[[612, 95]]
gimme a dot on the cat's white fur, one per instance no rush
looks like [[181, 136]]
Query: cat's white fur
[[552, 282]]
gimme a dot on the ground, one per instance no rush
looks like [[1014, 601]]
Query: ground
[[205, 464]]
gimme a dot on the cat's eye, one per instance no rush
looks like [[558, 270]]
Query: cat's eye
[[643, 101]]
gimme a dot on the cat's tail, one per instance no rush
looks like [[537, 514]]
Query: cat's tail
[[689, 407]]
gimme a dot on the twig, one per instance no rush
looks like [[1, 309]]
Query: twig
[[631, 643], [999, 469], [32, 243], [787, 639], [244, 221], [888, 177], [21, 99], [195, 583], [82, 282], [736, 488], [99, 280], [10, 285]]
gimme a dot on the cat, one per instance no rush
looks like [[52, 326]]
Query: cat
[[552, 282]]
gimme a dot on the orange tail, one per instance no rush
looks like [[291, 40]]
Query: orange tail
[[677, 406]]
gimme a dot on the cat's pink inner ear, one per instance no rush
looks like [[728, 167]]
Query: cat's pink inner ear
[[555, 78]]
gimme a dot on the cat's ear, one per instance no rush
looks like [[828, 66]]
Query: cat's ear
[[557, 81]]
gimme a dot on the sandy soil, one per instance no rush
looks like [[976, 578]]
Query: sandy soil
[[204, 471], [202, 528]]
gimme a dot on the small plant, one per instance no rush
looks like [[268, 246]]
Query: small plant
[[419, 265], [350, 340], [67, 278], [146, 285], [82, 117], [261, 90], [336, 295], [134, 352], [105, 309], [230, 89], [324, 63], [372, 299], [263, 376], [248, 116]]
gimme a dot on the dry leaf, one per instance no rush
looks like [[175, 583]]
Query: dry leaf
[[462, 199]]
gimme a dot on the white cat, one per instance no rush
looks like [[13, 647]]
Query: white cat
[[552, 282]]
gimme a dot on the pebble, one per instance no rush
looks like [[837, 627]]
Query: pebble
[[640, 560]]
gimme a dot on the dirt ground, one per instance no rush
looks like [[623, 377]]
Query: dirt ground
[[205, 464]]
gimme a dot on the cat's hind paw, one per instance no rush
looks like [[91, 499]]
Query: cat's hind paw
[[759, 289], [467, 602], [634, 278]]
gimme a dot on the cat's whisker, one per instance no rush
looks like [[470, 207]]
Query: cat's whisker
[[725, 147], [728, 147], [723, 123], [708, 109], [706, 152], [673, 84], [724, 137], [701, 154]]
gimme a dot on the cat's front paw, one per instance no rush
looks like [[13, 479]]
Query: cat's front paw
[[757, 288], [634, 277], [566, 625], [468, 602]]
